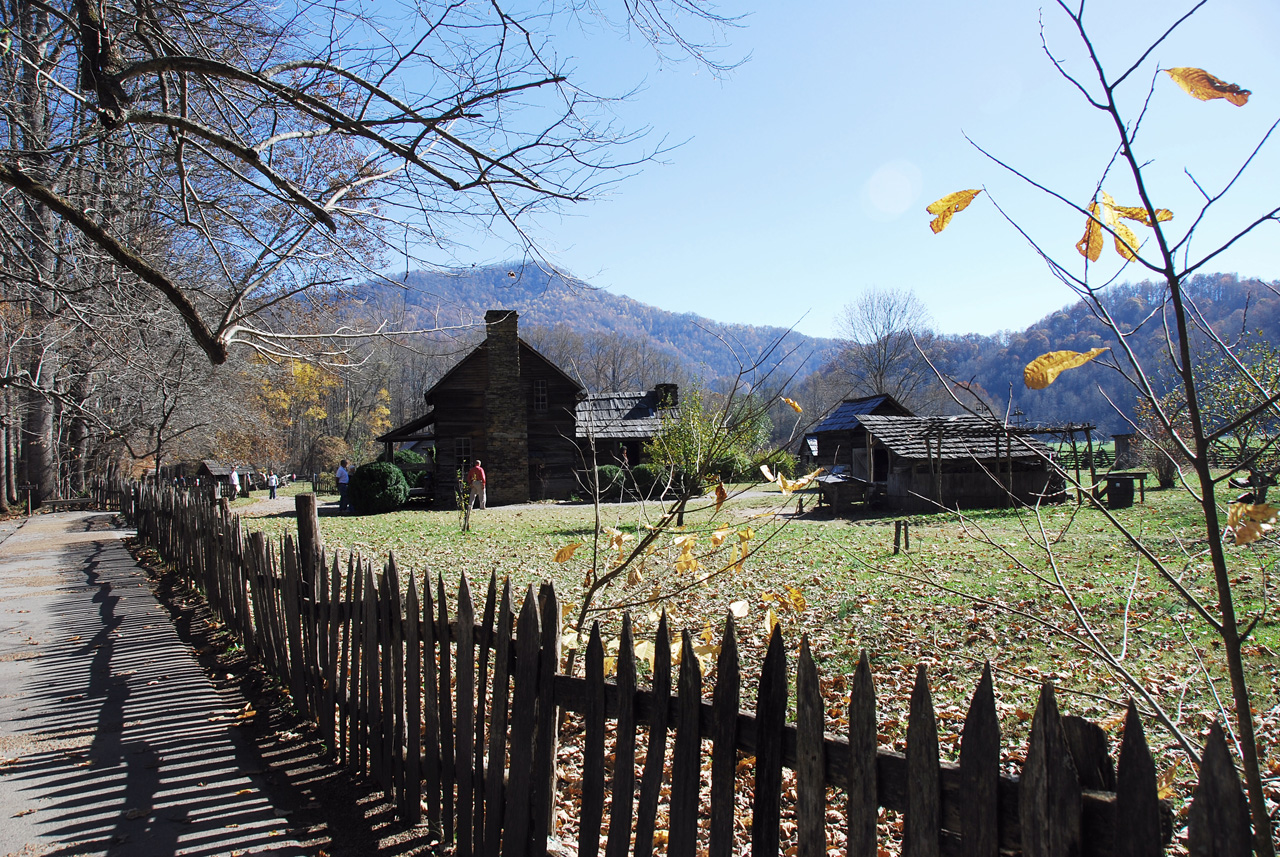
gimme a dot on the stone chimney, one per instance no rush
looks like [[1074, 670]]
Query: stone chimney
[[506, 448]]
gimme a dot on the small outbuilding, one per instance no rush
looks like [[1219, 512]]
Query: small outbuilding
[[922, 463]]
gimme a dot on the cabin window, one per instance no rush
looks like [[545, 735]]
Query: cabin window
[[540, 395], [461, 449]]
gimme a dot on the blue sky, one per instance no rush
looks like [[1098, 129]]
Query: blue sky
[[806, 171]]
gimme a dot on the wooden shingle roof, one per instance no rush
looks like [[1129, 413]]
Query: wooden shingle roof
[[961, 437], [845, 416], [618, 416]]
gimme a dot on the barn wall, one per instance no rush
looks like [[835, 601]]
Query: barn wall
[[963, 489]]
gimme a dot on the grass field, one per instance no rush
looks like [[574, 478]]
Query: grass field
[[982, 589]]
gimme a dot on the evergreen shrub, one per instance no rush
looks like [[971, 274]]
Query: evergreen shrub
[[377, 487]]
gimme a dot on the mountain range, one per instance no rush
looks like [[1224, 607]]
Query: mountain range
[[707, 349]]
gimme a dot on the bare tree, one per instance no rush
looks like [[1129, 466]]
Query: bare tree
[[1185, 422], [884, 331]]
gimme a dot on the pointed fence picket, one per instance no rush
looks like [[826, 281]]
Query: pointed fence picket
[[460, 718]]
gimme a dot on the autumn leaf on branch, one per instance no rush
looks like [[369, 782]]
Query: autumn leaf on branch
[[1108, 213], [793, 404], [952, 203], [721, 495], [1042, 371], [1198, 83], [1248, 522], [1090, 246]]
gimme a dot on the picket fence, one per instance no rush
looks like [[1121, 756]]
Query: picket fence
[[461, 717]]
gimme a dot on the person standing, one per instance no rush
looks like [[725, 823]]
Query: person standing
[[343, 479], [476, 479], [235, 484], [273, 482]]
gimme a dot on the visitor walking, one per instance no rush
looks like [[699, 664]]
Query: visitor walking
[[235, 484], [273, 482], [343, 479], [476, 479]]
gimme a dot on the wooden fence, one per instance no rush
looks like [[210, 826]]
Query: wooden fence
[[460, 716]]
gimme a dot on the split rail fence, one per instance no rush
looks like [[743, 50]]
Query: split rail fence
[[458, 718]]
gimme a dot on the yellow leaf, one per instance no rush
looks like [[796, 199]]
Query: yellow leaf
[[566, 553], [793, 404], [1090, 246], [746, 534], [768, 474], [569, 640], [1126, 242], [1164, 783], [796, 600], [718, 537], [952, 203], [1130, 212], [1042, 371], [770, 621], [610, 665], [1250, 521], [721, 495], [645, 651], [739, 609], [1198, 83], [708, 634]]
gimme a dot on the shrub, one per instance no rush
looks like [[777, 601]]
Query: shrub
[[645, 478], [609, 479], [377, 487], [779, 461], [405, 458], [733, 466]]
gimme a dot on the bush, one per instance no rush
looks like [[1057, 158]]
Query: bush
[[646, 477], [376, 488], [779, 461], [733, 466], [609, 479], [405, 458]]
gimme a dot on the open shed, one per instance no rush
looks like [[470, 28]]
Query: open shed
[[920, 463]]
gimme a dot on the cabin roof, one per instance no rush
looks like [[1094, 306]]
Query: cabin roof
[[959, 437], [618, 416], [215, 468], [525, 350], [845, 416]]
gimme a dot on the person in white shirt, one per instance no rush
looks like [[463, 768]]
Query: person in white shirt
[[235, 484], [273, 482], [343, 479]]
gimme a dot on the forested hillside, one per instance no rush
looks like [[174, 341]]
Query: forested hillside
[[547, 300], [552, 307], [1233, 308]]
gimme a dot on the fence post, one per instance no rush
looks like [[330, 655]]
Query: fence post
[[309, 539]]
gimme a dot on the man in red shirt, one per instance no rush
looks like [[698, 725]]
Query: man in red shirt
[[475, 478]]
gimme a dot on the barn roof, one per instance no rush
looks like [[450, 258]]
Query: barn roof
[[215, 468], [618, 416], [960, 437], [845, 416]]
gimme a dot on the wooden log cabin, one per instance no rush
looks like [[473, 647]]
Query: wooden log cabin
[[530, 424]]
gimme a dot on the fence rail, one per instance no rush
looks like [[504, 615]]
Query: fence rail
[[459, 714]]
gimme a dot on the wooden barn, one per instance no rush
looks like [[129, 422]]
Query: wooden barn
[[921, 463], [530, 424], [878, 451], [841, 439]]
